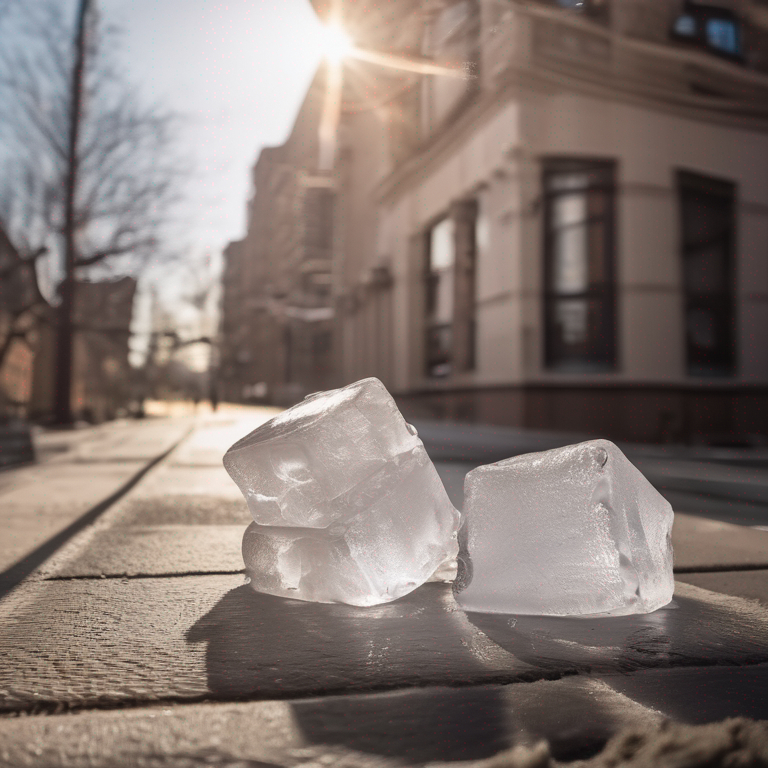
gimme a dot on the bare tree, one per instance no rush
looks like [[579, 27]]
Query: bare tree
[[91, 173]]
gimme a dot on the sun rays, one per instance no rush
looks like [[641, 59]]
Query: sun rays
[[338, 49]]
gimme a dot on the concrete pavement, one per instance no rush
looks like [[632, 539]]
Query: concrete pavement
[[79, 473], [142, 625]]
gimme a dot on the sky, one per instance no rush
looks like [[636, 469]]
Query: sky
[[237, 70]]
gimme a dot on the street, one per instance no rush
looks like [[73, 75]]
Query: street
[[126, 603]]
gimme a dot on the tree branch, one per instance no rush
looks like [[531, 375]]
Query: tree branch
[[115, 250]]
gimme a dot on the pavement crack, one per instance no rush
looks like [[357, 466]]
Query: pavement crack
[[133, 576], [722, 568]]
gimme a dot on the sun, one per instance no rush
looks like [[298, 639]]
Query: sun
[[336, 43]]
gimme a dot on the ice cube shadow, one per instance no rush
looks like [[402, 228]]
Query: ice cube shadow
[[457, 724], [685, 632], [266, 647], [434, 701], [262, 645]]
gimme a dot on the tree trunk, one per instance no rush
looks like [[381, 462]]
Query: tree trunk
[[64, 349]]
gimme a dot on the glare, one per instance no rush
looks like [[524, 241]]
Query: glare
[[336, 43]]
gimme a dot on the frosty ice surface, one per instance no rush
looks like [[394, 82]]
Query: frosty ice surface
[[347, 505], [572, 531]]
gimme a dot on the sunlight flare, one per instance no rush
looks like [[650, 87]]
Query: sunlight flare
[[336, 43], [419, 66]]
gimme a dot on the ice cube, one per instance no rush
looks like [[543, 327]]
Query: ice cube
[[347, 505], [572, 531]]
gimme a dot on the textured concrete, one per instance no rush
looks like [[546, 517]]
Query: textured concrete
[[40, 502], [576, 715], [190, 481], [87, 642], [116, 620], [158, 550], [182, 509], [749, 584], [700, 543]]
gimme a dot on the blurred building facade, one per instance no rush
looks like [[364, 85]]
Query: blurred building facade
[[573, 238], [18, 333], [102, 377], [277, 313]]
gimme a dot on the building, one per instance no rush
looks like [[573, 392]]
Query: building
[[17, 331], [102, 378], [573, 237], [277, 313], [576, 237]]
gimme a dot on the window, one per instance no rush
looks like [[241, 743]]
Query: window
[[441, 257], [450, 300], [579, 304], [707, 247], [597, 10], [715, 29]]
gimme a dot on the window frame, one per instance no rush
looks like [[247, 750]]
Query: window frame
[[702, 15], [605, 293], [433, 329], [724, 301]]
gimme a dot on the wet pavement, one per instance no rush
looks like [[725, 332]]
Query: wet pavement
[[138, 642]]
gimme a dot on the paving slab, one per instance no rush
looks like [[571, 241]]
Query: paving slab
[[746, 583], [40, 506], [157, 550], [84, 643], [699, 543], [129, 440], [698, 695], [214, 435], [576, 715], [182, 509], [40, 502], [187, 480]]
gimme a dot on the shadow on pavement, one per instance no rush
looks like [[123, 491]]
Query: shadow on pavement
[[453, 724], [414, 726], [699, 695], [260, 645], [418, 657], [687, 632], [430, 669]]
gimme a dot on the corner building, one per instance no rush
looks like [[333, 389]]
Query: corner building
[[574, 238]]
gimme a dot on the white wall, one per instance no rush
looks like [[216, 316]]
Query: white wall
[[649, 146], [500, 162]]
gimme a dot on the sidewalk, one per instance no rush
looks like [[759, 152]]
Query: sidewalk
[[78, 474], [142, 625]]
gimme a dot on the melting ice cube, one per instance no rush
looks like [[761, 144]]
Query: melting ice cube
[[347, 505], [572, 531]]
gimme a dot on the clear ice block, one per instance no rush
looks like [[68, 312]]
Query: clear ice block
[[572, 531], [347, 505]]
